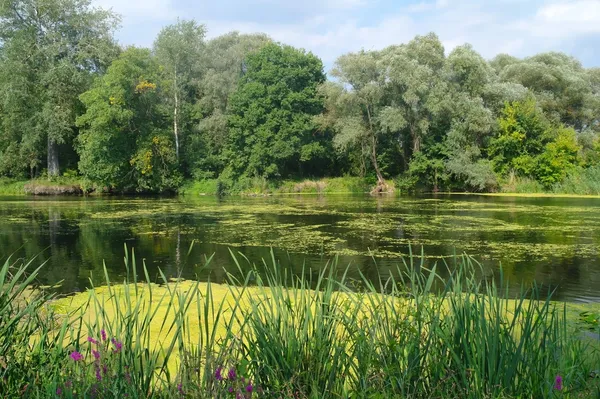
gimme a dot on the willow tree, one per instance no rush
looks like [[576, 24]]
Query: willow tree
[[563, 88], [51, 51], [472, 122], [179, 49], [355, 106], [415, 81]]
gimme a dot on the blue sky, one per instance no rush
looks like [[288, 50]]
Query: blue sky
[[330, 28]]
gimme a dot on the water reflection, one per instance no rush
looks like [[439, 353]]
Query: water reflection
[[551, 241]]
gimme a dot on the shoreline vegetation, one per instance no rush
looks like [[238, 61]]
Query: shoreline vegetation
[[269, 335], [261, 187]]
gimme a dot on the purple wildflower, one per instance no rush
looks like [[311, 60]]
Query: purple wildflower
[[98, 375], [96, 354], [218, 375], [103, 334], [76, 356], [118, 345], [58, 391], [238, 396], [180, 389], [249, 387], [230, 389], [558, 383], [92, 340], [231, 375]]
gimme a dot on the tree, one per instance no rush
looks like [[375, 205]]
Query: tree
[[560, 157], [271, 129], [51, 50], [224, 58], [179, 49], [415, 83], [561, 86], [125, 142], [523, 134], [472, 122]]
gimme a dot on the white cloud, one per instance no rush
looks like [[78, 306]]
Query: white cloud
[[332, 42], [565, 19], [139, 9], [330, 28]]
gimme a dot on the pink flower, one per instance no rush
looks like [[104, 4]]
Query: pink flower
[[103, 335], [558, 383], [58, 391], [76, 356], [96, 354], [92, 340]]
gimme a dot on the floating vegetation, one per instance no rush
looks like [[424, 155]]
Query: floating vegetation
[[527, 231]]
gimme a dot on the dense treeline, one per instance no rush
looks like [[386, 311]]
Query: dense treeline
[[242, 106]]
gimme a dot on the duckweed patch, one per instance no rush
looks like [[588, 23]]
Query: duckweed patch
[[522, 231]]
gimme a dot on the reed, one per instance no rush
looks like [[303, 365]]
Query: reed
[[274, 335]]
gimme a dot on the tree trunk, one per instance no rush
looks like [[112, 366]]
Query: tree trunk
[[380, 181], [53, 168], [175, 126], [416, 140], [374, 160]]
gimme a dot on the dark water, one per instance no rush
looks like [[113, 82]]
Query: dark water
[[552, 241]]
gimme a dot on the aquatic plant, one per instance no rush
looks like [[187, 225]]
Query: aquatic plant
[[313, 335]]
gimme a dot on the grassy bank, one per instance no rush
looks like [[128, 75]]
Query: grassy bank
[[57, 186], [259, 186], [274, 336], [12, 187]]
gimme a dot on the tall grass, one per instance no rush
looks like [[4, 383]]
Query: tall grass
[[261, 186], [274, 335], [581, 181]]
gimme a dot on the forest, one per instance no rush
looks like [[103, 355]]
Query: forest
[[410, 117]]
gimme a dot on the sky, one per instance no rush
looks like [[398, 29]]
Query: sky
[[330, 28]]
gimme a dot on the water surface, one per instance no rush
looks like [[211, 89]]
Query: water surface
[[552, 241]]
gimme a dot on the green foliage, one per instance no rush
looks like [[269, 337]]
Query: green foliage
[[523, 133], [271, 129], [179, 50], [124, 142], [529, 146], [51, 50], [559, 157], [12, 186], [243, 109], [582, 181], [224, 60], [414, 335]]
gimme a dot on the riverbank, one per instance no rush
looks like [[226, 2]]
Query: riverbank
[[269, 336], [263, 187], [258, 186], [58, 186]]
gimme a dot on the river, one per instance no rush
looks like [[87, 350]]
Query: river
[[554, 242]]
